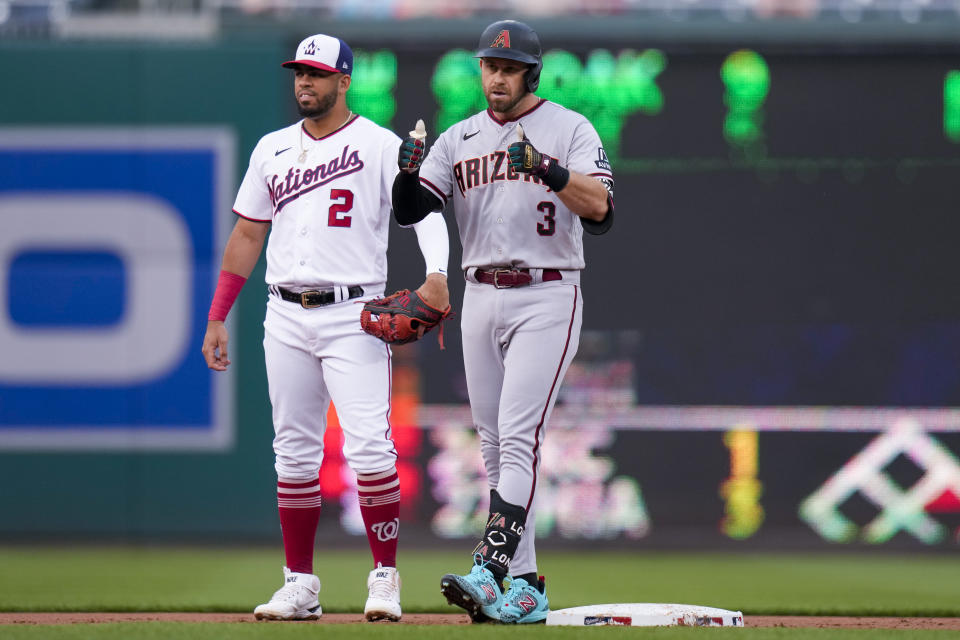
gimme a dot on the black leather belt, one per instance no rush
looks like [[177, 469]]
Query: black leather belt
[[316, 298], [507, 278]]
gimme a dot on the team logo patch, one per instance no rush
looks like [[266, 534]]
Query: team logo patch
[[502, 40], [602, 161], [310, 49], [386, 530]]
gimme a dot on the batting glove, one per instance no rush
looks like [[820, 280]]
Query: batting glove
[[526, 159], [411, 154]]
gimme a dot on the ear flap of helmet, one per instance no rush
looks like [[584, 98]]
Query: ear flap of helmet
[[533, 76]]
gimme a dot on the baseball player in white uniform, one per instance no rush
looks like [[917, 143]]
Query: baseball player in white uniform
[[322, 186], [525, 178]]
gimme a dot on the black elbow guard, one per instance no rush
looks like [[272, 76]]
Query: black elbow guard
[[596, 228]]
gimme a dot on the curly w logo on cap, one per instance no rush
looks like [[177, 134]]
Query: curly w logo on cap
[[323, 52]]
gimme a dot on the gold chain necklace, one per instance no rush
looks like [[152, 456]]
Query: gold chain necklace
[[303, 150]]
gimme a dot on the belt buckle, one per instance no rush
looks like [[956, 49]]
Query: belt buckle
[[309, 305], [496, 279]]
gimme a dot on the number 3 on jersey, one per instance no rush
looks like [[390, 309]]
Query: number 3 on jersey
[[334, 218], [548, 226]]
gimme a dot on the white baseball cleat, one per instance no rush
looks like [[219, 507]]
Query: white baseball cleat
[[383, 602], [295, 600]]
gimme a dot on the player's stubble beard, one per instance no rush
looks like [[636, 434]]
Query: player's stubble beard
[[503, 105], [324, 105]]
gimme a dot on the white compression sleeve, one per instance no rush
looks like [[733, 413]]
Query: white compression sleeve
[[434, 242]]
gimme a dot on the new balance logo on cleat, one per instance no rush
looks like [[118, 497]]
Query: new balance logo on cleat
[[527, 603], [524, 603]]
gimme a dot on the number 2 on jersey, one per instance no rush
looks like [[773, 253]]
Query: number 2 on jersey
[[334, 218], [548, 226]]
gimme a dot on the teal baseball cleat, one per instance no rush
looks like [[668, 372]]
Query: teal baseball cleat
[[524, 603], [478, 593]]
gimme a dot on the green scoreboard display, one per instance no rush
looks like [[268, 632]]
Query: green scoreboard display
[[785, 221], [772, 327]]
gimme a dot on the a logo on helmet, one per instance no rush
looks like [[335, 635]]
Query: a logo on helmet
[[311, 49], [502, 40]]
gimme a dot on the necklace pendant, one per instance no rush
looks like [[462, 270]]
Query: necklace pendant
[[302, 157]]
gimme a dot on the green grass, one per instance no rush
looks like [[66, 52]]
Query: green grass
[[235, 580], [284, 631]]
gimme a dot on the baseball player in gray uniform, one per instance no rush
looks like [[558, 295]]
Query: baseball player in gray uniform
[[323, 186], [525, 178]]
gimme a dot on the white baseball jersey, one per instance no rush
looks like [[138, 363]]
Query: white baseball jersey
[[508, 218], [330, 211]]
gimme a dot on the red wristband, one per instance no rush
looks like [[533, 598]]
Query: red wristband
[[228, 288]]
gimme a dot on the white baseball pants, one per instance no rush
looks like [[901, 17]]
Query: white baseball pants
[[317, 355]]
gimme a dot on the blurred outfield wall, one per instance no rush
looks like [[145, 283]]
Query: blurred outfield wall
[[770, 334]]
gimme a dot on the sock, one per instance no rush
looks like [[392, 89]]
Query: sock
[[299, 504], [379, 496], [532, 579], [502, 535]]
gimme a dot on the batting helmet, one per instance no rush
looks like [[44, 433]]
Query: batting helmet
[[514, 41]]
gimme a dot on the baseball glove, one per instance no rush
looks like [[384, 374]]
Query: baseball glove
[[401, 318]]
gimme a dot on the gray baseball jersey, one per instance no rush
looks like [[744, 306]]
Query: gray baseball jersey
[[517, 342], [508, 218]]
